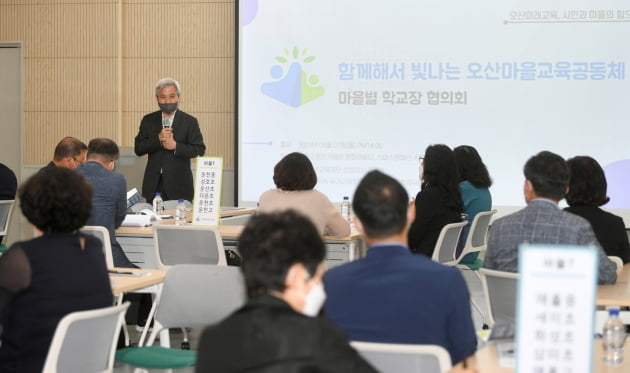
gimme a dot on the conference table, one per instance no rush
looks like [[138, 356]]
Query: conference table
[[617, 294], [124, 280], [486, 360], [137, 242]]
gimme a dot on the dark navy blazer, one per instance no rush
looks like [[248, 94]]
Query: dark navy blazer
[[394, 296]]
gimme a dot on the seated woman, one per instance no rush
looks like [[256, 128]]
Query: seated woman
[[277, 329], [474, 182], [439, 201], [587, 191], [295, 179], [47, 277]]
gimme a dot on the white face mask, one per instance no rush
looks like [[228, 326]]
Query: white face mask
[[314, 300]]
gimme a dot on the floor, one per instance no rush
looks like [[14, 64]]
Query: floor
[[474, 286]]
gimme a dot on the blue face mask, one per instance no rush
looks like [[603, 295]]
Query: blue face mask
[[168, 107]]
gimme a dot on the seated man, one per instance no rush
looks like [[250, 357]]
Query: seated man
[[69, 153], [392, 295], [109, 204], [542, 221], [276, 331]]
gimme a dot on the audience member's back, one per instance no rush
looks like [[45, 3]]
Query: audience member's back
[[392, 295], [278, 329], [45, 278], [587, 191], [396, 297], [295, 178], [542, 221]]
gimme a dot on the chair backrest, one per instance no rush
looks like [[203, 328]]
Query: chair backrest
[[85, 341], [102, 234], [6, 206], [404, 358], [197, 295], [499, 290], [446, 244], [187, 244], [171, 204], [478, 237], [618, 262]]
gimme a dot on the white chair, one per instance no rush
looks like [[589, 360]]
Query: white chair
[[85, 341], [193, 296], [499, 289], [187, 244], [6, 207], [102, 234], [446, 244], [405, 358], [477, 240]]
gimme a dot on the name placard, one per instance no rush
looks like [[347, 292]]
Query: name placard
[[207, 203], [556, 298]]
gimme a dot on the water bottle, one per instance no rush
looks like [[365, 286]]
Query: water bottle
[[180, 213], [345, 208], [613, 338], [158, 204]]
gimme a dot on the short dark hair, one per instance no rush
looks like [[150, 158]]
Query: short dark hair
[[587, 184], [271, 243], [103, 148], [56, 199], [294, 172], [380, 202], [440, 172], [549, 174], [69, 147], [471, 167]]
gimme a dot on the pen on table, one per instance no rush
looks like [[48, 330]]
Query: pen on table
[[119, 272]]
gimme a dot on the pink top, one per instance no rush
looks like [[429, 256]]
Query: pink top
[[311, 203]]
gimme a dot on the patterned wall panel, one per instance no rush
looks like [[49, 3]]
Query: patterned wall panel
[[74, 51]]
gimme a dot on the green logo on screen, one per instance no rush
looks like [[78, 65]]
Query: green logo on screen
[[292, 84]]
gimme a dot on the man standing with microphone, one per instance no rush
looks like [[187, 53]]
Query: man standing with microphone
[[171, 138]]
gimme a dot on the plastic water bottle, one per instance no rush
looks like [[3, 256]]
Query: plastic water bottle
[[158, 204], [345, 208], [613, 338], [180, 213]]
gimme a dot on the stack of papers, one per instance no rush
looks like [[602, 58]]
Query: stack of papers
[[132, 220]]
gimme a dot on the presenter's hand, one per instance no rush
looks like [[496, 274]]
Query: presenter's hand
[[165, 134], [169, 143]]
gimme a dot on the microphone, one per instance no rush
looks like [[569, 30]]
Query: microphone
[[166, 123]]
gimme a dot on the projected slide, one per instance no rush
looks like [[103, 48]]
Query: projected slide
[[359, 85]]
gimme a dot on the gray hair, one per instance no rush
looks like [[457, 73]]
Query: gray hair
[[165, 82]]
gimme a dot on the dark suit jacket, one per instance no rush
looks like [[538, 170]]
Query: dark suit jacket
[[394, 296], [541, 222], [177, 177], [109, 204], [431, 216], [8, 183], [267, 335], [609, 229]]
